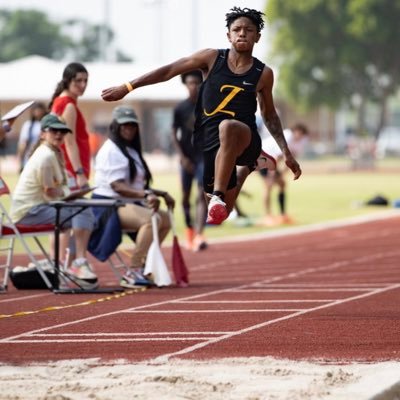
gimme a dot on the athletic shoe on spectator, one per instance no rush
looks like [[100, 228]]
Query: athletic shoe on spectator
[[134, 278], [81, 269], [82, 274]]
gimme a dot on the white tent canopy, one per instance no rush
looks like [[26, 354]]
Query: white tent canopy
[[36, 77]]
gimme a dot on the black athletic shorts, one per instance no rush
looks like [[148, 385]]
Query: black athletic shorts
[[248, 157]]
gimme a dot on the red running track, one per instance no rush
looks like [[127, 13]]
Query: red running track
[[329, 294]]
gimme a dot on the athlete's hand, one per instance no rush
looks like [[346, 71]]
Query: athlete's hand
[[114, 93], [293, 165]]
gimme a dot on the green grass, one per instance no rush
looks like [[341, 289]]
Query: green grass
[[317, 196], [327, 191]]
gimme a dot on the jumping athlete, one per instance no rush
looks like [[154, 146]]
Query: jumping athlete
[[225, 124]]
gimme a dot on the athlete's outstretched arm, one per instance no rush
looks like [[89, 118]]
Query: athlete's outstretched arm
[[272, 120], [199, 60]]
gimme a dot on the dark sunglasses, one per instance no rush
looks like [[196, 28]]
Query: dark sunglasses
[[54, 131]]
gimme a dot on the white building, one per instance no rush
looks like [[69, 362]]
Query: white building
[[35, 78]]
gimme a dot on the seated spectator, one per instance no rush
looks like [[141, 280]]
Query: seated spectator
[[44, 179], [122, 172]]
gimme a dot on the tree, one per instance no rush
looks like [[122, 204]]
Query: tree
[[93, 42], [337, 51], [28, 32]]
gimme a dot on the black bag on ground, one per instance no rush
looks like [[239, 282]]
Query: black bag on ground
[[29, 278], [378, 200]]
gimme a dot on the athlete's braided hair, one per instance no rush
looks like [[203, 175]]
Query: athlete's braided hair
[[255, 16]]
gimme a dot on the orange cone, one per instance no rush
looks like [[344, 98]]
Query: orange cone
[[178, 263]]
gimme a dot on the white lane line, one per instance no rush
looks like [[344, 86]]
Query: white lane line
[[13, 299], [290, 290], [321, 226], [144, 339], [320, 285], [164, 358], [328, 267], [242, 310], [373, 269], [161, 303], [252, 301], [272, 280], [95, 334]]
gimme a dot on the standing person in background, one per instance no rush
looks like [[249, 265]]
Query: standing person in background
[[6, 124], [30, 133], [191, 161], [225, 124], [76, 148], [5, 127], [64, 103], [297, 138]]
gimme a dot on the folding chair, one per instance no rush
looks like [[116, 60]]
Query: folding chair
[[118, 264], [10, 232], [79, 205], [116, 260]]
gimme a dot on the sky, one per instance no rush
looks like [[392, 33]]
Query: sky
[[152, 31]]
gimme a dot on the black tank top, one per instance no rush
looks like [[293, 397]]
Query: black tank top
[[225, 95]]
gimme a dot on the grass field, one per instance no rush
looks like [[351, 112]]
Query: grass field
[[328, 190]]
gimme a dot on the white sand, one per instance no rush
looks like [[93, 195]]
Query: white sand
[[229, 379]]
